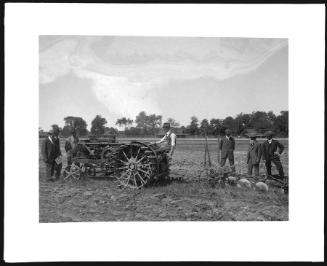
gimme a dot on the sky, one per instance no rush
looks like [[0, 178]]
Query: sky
[[178, 77]]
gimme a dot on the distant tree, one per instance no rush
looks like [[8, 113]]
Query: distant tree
[[271, 117], [260, 121], [154, 122], [110, 130], [75, 122], [98, 128], [246, 120], [121, 121], [133, 131], [183, 129], [229, 123], [172, 122], [193, 128], [204, 126], [148, 123], [281, 124], [129, 122], [141, 119], [126, 122], [240, 123], [216, 126]]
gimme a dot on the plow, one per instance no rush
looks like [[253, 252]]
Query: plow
[[220, 175], [133, 165]]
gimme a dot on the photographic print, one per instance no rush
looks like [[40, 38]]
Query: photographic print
[[145, 128], [178, 130]]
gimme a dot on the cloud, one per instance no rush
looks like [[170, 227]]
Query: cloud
[[124, 70], [119, 95]]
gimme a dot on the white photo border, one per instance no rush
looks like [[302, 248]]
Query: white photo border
[[299, 239]]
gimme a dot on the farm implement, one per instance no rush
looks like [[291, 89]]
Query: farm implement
[[221, 176], [134, 165]]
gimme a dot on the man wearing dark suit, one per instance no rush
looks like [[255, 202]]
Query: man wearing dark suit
[[270, 154], [51, 152], [253, 155], [227, 147]]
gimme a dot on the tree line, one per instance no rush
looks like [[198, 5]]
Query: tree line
[[259, 121], [150, 125]]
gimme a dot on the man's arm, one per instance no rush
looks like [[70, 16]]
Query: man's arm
[[280, 147], [161, 140]]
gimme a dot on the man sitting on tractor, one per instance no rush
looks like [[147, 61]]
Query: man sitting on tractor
[[168, 142]]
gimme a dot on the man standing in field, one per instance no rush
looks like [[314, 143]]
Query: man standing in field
[[168, 142], [71, 146], [227, 147], [52, 155], [253, 155], [270, 154]]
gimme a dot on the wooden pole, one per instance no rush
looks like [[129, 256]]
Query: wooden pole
[[218, 155], [205, 155], [207, 149]]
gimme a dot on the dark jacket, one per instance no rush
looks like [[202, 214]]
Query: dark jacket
[[268, 150], [254, 153], [50, 151], [226, 145]]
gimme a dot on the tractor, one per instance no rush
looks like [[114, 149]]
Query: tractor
[[135, 164]]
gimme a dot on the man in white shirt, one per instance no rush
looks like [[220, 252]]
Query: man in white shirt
[[168, 142], [71, 145]]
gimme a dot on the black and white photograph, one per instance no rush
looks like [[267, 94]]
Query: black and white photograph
[[163, 129], [164, 132]]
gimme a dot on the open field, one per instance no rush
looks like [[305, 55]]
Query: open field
[[192, 199]]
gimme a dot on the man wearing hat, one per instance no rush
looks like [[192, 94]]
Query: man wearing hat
[[227, 147], [71, 145], [253, 155], [168, 142], [270, 154], [52, 155]]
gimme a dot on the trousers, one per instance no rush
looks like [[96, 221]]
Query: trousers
[[254, 167], [277, 163], [53, 169], [230, 157]]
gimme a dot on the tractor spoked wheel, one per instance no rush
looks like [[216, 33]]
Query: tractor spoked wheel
[[136, 165], [73, 172]]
